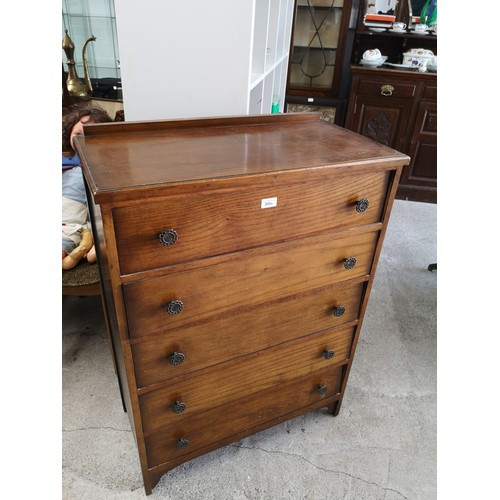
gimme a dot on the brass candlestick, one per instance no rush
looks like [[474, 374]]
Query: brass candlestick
[[75, 86]]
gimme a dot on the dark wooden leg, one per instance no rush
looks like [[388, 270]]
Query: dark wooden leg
[[432, 267], [334, 408]]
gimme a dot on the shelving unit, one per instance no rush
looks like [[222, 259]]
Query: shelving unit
[[209, 59], [318, 74]]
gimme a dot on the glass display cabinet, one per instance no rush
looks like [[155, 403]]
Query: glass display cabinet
[[319, 56]]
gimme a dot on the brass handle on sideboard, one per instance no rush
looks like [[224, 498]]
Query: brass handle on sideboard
[[386, 90]]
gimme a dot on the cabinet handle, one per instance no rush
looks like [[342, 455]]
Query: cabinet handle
[[175, 307], [178, 407], [386, 90], [362, 205], [168, 237], [338, 311], [182, 444], [176, 358], [328, 353], [321, 389], [349, 263]]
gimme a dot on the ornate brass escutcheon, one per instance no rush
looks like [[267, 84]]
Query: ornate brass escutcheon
[[386, 90]]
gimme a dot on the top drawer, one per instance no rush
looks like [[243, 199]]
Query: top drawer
[[209, 223], [377, 88]]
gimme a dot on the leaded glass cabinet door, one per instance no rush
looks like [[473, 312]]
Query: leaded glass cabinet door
[[317, 51]]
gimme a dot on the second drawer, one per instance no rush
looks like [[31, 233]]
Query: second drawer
[[251, 278]]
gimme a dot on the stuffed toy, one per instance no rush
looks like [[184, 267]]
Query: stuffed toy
[[77, 240]]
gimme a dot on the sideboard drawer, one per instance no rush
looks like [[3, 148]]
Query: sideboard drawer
[[205, 429], [243, 376], [388, 87], [210, 342], [216, 222], [258, 277]]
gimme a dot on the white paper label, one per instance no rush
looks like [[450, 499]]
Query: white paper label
[[268, 202]]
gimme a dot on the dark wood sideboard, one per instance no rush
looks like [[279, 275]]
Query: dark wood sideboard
[[398, 108], [236, 257]]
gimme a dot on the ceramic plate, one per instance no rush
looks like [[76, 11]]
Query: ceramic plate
[[374, 64], [392, 30], [377, 30]]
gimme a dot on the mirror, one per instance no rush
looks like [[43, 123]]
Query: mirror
[[381, 6]]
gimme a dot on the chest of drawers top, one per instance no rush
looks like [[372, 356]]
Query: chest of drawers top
[[131, 160]]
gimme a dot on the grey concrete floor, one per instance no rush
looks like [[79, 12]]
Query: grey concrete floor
[[382, 445]]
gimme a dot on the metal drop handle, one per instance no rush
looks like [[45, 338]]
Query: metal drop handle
[[168, 237], [386, 90]]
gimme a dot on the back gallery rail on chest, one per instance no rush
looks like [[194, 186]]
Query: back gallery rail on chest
[[236, 258]]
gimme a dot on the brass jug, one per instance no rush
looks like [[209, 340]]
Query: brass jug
[[75, 86]]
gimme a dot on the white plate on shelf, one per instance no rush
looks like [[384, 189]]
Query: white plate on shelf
[[421, 33], [377, 30], [374, 64], [405, 66], [392, 30]]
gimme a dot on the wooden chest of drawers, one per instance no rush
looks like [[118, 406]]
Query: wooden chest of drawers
[[236, 257]]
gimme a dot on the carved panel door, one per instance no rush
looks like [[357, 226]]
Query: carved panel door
[[381, 119], [422, 172]]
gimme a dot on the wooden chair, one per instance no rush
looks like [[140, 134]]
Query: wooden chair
[[83, 280]]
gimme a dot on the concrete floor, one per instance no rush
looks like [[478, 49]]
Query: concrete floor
[[382, 445]]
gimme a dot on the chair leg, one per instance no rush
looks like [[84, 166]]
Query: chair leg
[[432, 267]]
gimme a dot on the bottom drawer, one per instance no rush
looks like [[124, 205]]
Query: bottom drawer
[[205, 429]]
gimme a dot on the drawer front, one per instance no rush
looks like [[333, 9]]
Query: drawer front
[[214, 223], [207, 428], [257, 277], [208, 343], [382, 88], [223, 383], [430, 92]]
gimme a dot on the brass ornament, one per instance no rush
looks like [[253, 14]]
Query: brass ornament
[[75, 86]]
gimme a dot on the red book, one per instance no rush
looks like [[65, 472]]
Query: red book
[[380, 17]]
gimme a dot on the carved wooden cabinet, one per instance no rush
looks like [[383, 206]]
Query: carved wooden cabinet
[[398, 108], [237, 257]]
